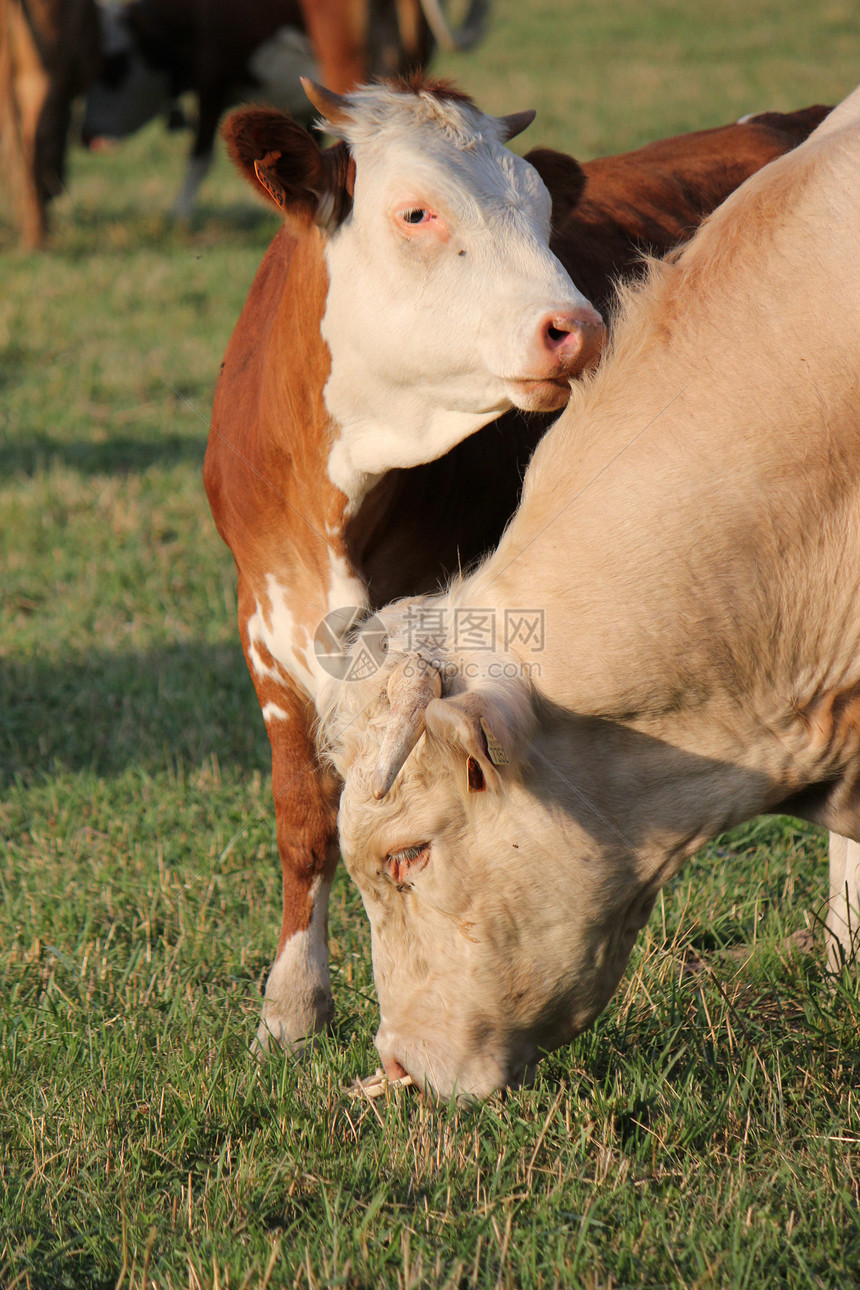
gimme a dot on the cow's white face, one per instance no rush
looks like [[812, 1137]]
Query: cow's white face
[[445, 305], [502, 913], [129, 93]]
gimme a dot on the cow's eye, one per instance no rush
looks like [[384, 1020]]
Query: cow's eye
[[418, 215], [403, 864]]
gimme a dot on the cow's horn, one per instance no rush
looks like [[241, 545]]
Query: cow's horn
[[515, 123], [411, 686], [334, 107]]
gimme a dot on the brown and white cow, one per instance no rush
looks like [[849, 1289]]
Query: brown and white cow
[[225, 52], [49, 53], [409, 298], [690, 529]]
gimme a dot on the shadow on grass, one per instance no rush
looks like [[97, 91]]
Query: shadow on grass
[[114, 455], [165, 708]]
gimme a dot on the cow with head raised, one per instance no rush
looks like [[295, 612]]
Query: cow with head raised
[[445, 304], [424, 280], [690, 532]]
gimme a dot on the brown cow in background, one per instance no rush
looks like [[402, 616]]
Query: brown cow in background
[[49, 53]]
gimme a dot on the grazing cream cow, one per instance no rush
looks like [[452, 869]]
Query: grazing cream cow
[[416, 290], [690, 531]]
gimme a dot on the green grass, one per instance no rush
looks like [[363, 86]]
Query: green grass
[[706, 1132]]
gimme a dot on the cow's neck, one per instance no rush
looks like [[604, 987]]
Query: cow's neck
[[676, 547], [383, 429]]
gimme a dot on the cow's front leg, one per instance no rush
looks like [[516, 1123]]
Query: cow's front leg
[[843, 913], [298, 1002]]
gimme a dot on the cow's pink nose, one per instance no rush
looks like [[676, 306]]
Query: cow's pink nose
[[569, 330], [572, 337], [392, 1067]]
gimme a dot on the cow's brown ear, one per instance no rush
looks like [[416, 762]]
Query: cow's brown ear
[[281, 161], [563, 176]]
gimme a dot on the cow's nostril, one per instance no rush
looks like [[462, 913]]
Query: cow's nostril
[[393, 1068], [561, 334]]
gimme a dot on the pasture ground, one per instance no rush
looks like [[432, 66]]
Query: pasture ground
[[705, 1133]]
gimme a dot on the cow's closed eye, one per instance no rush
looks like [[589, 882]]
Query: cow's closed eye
[[404, 864]]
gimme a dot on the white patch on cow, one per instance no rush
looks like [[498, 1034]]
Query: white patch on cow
[[287, 641], [273, 712], [298, 991], [275, 626], [345, 591], [429, 335]]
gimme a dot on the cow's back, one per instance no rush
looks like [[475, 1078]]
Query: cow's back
[[651, 200]]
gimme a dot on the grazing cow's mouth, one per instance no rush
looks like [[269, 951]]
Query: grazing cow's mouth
[[543, 394]]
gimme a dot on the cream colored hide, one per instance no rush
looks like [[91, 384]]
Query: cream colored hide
[[445, 304], [690, 529]]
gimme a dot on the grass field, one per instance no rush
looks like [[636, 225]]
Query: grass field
[[705, 1133]]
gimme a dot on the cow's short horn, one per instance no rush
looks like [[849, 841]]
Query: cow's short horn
[[515, 123], [334, 107], [411, 686]]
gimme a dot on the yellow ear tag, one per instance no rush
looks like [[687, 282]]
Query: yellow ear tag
[[498, 756], [265, 175]]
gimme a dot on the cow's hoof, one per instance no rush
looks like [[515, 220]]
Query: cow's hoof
[[297, 1007], [287, 1035]]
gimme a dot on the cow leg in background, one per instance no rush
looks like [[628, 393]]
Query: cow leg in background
[[24, 88], [211, 102], [843, 914]]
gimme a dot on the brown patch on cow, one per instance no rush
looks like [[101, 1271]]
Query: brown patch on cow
[[306, 798], [305, 794]]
